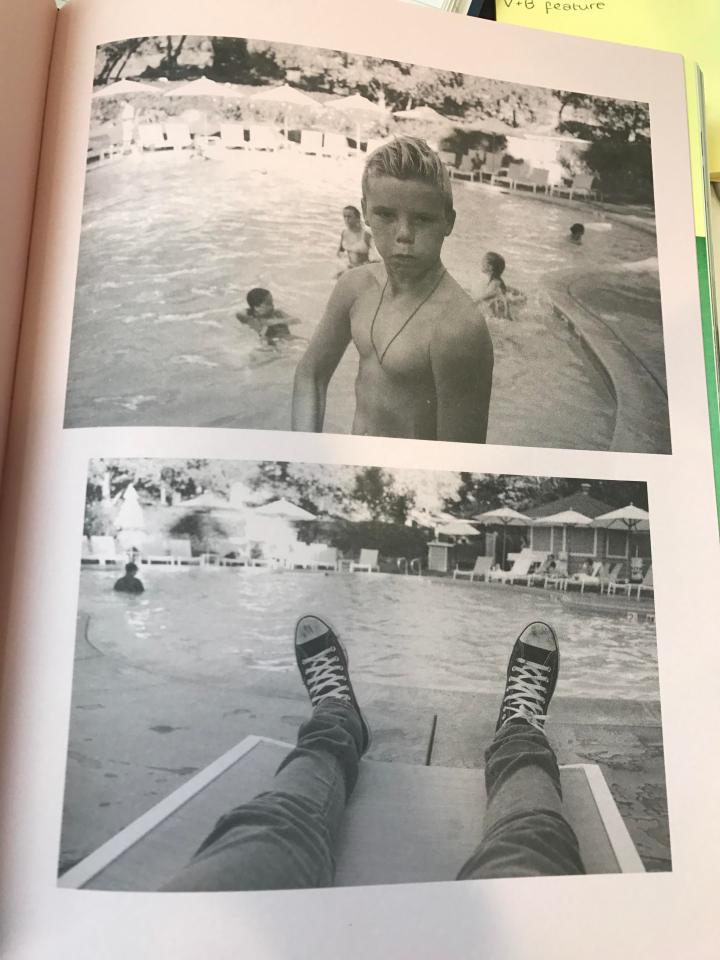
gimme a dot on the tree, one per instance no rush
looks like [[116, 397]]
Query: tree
[[375, 489], [113, 57], [172, 49]]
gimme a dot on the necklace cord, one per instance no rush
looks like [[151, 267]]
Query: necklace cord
[[391, 341]]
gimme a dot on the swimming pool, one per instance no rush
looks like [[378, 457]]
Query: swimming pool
[[171, 244], [212, 624]]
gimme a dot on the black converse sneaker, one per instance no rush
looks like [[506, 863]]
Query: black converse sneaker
[[323, 664], [531, 676]]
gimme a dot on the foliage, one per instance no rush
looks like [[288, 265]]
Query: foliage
[[375, 489], [201, 527], [391, 539], [477, 493]]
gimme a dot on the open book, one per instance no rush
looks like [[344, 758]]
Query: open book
[[360, 548]]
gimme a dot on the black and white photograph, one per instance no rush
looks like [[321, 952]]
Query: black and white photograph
[[294, 675], [278, 236]]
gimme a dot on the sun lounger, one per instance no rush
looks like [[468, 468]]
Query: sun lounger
[[582, 580], [507, 176], [580, 186], [178, 136], [533, 179], [232, 136], [647, 583], [540, 572], [152, 137], [491, 165], [612, 577], [264, 138], [449, 158], [465, 170], [480, 570], [311, 142], [325, 559], [368, 561], [336, 145], [392, 806], [180, 550], [555, 579], [520, 568], [99, 551]]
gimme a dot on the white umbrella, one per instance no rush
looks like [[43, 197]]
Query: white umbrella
[[205, 87], [629, 518], [457, 528], [506, 517], [130, 520], [424, 113], [287, 97], [564, 519], [359, 107], [285, 509], [123, 88]]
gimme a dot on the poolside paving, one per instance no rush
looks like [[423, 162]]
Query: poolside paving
[[137, 733]]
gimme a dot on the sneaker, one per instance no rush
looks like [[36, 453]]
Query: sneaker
[[531, 676], [323, 664]]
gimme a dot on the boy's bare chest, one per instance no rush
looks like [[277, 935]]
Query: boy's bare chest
[[393, 334]]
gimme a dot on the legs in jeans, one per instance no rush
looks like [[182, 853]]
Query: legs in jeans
[[284, 838], [525, 831]]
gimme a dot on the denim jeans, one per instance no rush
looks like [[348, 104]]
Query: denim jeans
[[284, 838]]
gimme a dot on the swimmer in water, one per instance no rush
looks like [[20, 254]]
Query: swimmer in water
[[425, 353], [576, 233], [264, 318], [355, 239], [497, 294]]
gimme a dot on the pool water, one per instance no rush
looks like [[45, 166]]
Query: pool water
[[171, 244], [419, 633]]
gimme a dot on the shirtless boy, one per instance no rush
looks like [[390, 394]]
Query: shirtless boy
[[425, 353]]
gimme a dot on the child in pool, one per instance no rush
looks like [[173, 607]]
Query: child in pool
[[498, 296], [355, 239], [264, 318], [576, 233]]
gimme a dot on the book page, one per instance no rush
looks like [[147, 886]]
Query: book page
[[361, 408], [22, 101]]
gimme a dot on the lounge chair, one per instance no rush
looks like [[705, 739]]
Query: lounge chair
[[533, 179], [647, 583], [592, 579], [264, 138], [151, 137], [232, 136], [612, 577], [559, 574], [180, 550], [541, 572], [311, 142], [520, 568], [480, 570], [449, 158], [580, 185], [103, 550], [491, 165], [336, 145], [465, 170], [325, 559], [507, 176], [178, 136], [368, 561]]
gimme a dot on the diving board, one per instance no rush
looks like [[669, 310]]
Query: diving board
[[404, 823]]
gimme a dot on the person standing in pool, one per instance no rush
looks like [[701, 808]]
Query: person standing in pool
[[426, 356], [355, 239], [576, 233], [129, 583], [496, 295]]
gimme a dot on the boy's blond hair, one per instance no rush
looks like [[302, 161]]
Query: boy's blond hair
[[409, 158]]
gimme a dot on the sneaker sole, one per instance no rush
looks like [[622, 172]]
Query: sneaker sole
[[338, 639]]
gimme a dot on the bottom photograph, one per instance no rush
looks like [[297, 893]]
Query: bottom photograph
[[293, 675]]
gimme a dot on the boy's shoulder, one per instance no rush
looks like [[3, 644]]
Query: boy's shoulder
[[357, 280]]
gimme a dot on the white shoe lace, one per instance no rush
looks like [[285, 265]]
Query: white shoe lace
[[325, 677], [526, 692]]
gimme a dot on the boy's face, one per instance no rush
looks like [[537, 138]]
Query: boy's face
[[352, 220], [265, 308], [486, 266], [409, 223]]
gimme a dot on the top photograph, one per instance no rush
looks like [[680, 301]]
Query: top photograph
[[284, 237]]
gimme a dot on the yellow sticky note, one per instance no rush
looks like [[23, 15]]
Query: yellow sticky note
[[691, 28]]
